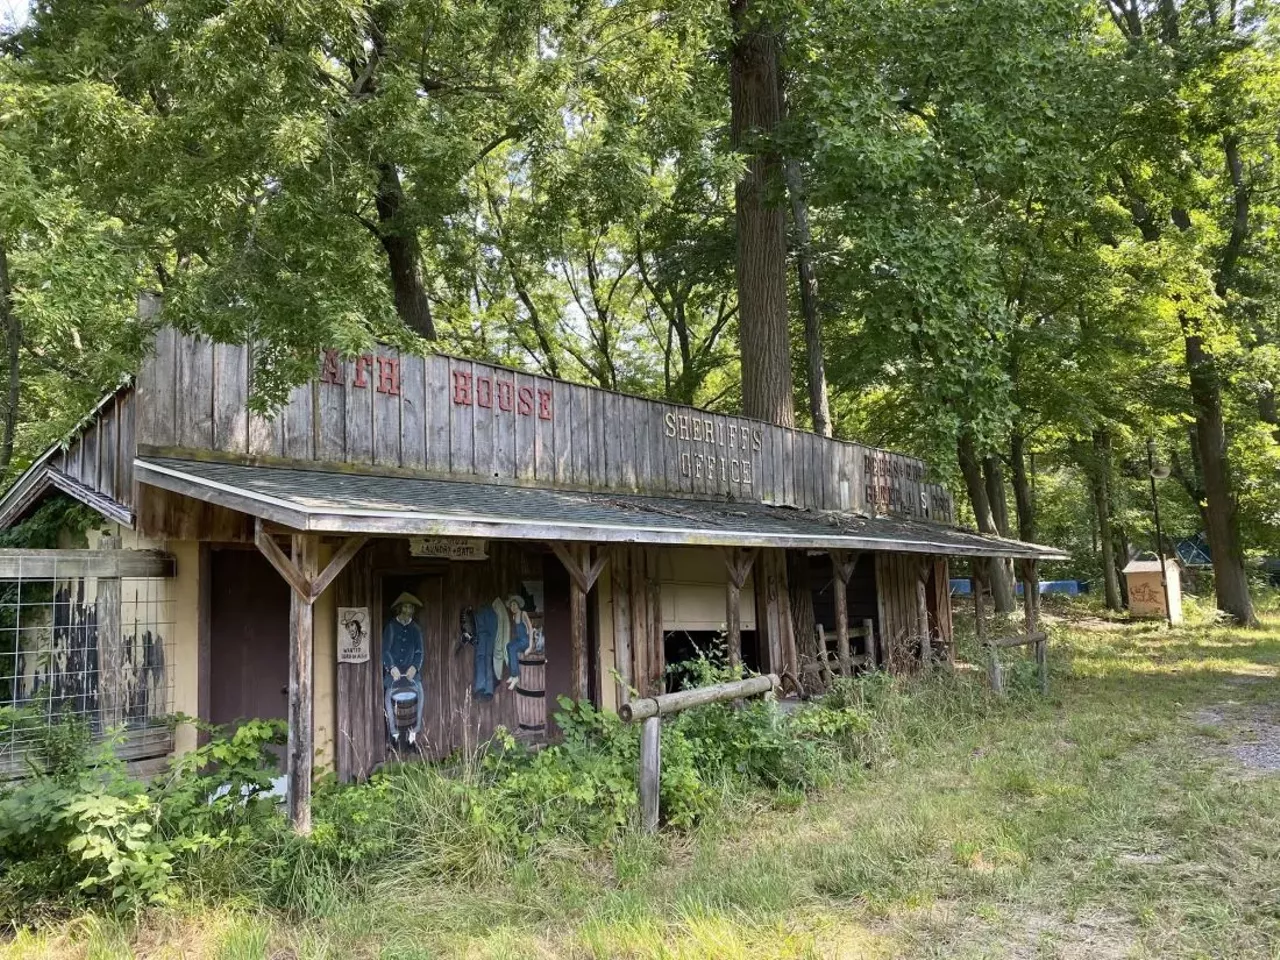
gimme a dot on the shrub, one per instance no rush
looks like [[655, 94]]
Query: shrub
[[80, 829]]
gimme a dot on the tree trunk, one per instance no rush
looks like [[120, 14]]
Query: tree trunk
[[993, 477], [998, 498], [763, 333], [1023, 496], [1222, 523], [1002, 594], [1098, 469], [404, 254], [819, 406], [13, 353]]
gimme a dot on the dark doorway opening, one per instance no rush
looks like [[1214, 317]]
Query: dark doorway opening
[[248, 638]]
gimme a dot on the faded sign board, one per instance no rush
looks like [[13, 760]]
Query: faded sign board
[[448, 548], [353, 635]]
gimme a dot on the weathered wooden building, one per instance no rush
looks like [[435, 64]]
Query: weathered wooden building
[[417, 549]]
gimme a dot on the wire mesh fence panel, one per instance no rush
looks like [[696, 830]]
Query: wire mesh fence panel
[[92, 650]]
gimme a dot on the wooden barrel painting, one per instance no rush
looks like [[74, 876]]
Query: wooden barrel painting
[[531, 696], [405, 704]]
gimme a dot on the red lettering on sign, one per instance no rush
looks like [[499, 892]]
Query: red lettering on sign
[[462, 388], [389, 376], [506, 395], [364, 366], [331, 371], [524, 401], [484, 392], [544, 404]]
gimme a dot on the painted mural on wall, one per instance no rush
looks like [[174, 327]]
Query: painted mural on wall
[[402, 656], [509, 651]]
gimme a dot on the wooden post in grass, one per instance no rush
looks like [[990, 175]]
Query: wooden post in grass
[[1031, 606], [922, 617], [842, 566], [650, 772], [994, 672], [651, 710]]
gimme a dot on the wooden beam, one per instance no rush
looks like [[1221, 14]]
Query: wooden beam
[[204, 637], [995, 673], [1031, 604], [842, 567], [578, 637], [113, 686], [583, 573], [23, 564], [301, 749], [737, 562], [922, 616], [341, 557], [287, 568]]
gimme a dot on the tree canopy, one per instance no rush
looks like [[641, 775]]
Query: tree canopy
[[1017, 238]]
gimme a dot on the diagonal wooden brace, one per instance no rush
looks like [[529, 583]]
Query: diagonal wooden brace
[[583, 572], [307, 589]]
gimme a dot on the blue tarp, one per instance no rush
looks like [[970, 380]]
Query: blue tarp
[[963, 587]]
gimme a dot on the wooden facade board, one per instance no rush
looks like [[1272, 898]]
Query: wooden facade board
[[525, 429], [462, 428], [230, 398], [193, 423], [438, 426], [298, 435], [358, 412], [562, 429], [386, 395]]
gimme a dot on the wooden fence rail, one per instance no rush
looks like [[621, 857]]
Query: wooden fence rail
[[651, 710]]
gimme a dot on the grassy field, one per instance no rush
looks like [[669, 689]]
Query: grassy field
[[1135, 813]]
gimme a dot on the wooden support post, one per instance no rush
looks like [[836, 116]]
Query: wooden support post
[[113, 681], [842, 566], [578, 641], [301, 750], [583, 573], [650, 772], [994, 672], [737, 562], [824, 659], [922, 618], [873, 646], [1031, 607], [300, 571]]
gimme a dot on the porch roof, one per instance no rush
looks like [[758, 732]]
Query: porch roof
[[329, 502]]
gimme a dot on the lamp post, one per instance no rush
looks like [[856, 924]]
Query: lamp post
[[1155, 473]]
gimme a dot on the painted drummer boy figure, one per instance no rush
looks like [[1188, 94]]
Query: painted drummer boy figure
[[402, 653]]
